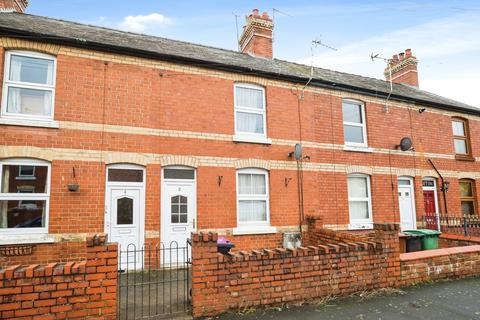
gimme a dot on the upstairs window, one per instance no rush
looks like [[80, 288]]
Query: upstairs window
[[24, 196], [354, 126], [359, 201], [461, 138], [252, 197], [28, 86], [467, 197], [250, 115]]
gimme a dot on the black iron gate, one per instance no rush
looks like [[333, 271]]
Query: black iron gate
[[154, 281]]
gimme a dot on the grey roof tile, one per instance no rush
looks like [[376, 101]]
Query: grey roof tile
[[54, 30]]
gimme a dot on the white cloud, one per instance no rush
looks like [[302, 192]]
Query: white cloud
[[145, 23], [447, 50]]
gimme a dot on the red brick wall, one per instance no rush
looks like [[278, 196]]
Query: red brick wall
[[432, 265], [73, 290], [269, 277], [95, 92]]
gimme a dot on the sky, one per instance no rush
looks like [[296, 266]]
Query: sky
[[443, 35]]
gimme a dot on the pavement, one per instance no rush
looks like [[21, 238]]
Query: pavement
[[452, 300]]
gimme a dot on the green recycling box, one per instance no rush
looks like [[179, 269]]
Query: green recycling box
[[429, 237]]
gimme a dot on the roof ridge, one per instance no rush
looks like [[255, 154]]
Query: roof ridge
[[128, 32]]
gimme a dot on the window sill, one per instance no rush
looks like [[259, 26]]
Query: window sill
[[360, 226], [30, 123], [248, 139], [254, 230], [9, 239], [357, 149], [464, 157]]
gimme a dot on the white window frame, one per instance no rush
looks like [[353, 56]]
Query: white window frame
[[27, 196], [254, 227], [361, 223], [247, 136], [363, 125], [24, 119]]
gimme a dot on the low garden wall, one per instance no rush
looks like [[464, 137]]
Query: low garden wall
[[73, 290], [432, 265], [272, 277]]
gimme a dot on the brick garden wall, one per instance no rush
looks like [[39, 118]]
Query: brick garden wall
[[269, 277], [73, 290], [432, 265]]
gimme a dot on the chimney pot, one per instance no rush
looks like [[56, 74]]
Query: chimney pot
[[403, 69], [257, 35], [13, 5]]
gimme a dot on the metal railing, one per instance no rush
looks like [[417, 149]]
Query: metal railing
[[467, 225], [154, 281]]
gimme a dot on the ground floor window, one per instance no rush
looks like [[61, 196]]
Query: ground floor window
[[359, 201], [24, 196], [467, 197], [252, 197]]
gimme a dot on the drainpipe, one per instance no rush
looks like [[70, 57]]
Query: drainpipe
[[444, 192]]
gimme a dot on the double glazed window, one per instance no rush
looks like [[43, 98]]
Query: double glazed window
[[29, 86], [461, 137], [250, 115], [359, 201], [252, 197], [24, 196], [467, 197], [354, 127]]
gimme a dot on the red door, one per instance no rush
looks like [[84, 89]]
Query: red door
[[430, 209]]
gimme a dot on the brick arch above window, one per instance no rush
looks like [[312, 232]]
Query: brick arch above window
[[405, 172], [177, 160], [20, 44], [252, 163], [26, 152], [467, 176], [359, 169], [114, 158]]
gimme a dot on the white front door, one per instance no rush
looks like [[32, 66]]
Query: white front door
[[406, 203], [124, 213], [178, 212]]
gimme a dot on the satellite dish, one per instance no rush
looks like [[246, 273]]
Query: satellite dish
[[405, 144], [298, 151]]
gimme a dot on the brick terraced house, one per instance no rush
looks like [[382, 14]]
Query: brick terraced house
[[149, 139]]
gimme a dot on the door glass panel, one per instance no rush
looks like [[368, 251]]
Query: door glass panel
[[179, 209], [124, 211], [125, 175], [179, 174]]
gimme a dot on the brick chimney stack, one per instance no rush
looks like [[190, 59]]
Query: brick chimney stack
[[257, 35], [403, 68], [13, 5]]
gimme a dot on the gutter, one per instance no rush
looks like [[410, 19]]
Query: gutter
[[81, 43]]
